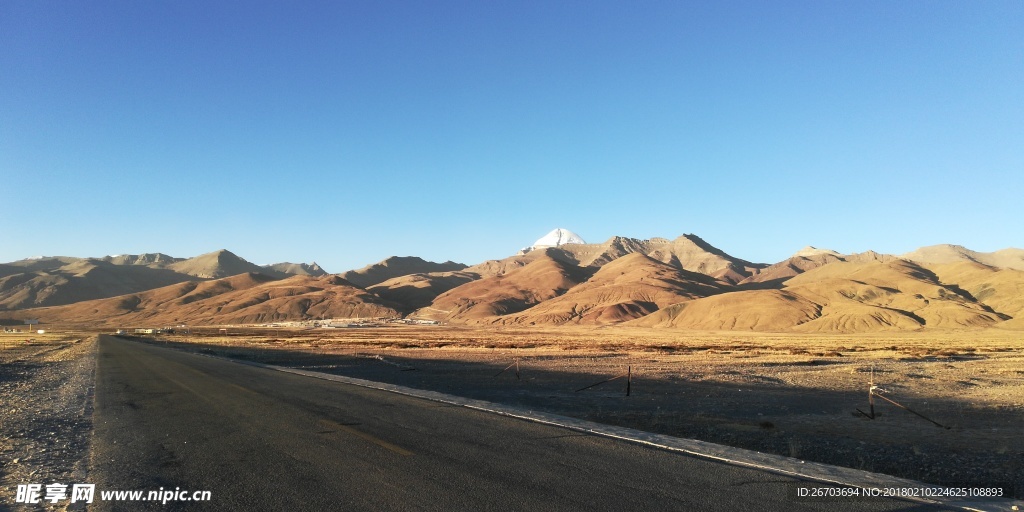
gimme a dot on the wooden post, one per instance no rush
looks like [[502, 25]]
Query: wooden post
[[871, 392], [871, 401], [629, 379]]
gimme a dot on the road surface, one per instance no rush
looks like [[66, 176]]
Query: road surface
[[259, 439]]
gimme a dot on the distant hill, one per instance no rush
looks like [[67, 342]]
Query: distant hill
[[149, 259], [895, 295], [296, 269], [415, 291], [773, 276], [808, 258], [692, 253], [760, 310], [240, 299], [491, 268], [397, 266], [1002, 289], [78, 280], [840, 297], [215, 265], [811, 251], [43, 263], [946, 253]]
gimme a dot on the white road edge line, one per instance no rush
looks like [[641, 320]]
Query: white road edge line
[[779, 464]]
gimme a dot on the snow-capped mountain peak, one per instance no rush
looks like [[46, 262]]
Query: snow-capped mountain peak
[[558, 237]]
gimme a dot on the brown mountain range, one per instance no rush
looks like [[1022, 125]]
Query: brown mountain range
[[683, 283], [65, 280], [240, 299]]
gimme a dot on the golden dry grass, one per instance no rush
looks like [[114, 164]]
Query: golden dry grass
[[14, 340], [976, 366]]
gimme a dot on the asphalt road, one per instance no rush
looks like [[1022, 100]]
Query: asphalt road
[[258, 439]]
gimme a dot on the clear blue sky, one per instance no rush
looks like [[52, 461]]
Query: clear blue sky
[[346, 132]]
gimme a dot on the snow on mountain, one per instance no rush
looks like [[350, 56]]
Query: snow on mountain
[[558, 237]]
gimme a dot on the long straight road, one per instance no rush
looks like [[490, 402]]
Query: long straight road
[[259, 439]]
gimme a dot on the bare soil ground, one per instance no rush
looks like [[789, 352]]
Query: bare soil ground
[[794, 395], [46, 383]]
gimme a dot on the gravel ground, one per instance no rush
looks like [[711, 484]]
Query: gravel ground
[[45, 414]]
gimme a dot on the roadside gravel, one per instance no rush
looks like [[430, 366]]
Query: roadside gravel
[[45, 414]]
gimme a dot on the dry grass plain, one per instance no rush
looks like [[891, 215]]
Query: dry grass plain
[[794, 395]]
